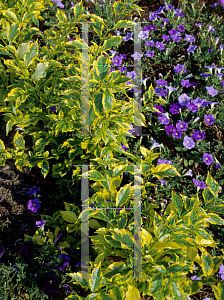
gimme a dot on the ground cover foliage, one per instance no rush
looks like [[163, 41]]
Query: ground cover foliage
[[182, 184]]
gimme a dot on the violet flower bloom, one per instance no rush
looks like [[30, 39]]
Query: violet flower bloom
[[198, 135], [184, 100], [172, 31], [163, 93], [149, 53], [177, 134], [155, 144], [136, 56], [191, 48], [195, 278], [65, 261], [211, 91], [174, 109], [175, 38], [68, 288], [150, 43], [132, 129], [160, 108], [152, 27], [53, 108], [143, 35], [164, 161], [169, 129], [131, 74], [163, 119], [152, 16], [124, 147], [221, 267], [188, 142], [179, 68], [59, 4], [33, 191], [208, 159], [181, 126], [217, 166], [117, 61], [181, 28], [58, 237], [171, 89], [189, 173], [161, 82], [49, 283], [33, 205], [166, 38], [189, 38], [128, 36], [160, 46], [163, 182], [185, 83], [27, 251], [192, 107], [209, 119], [199, 184], [40, 223]]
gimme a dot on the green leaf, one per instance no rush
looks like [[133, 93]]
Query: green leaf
[[214, 219], [123, 194], [31, 54], [40, 71], [94, 175], [165, 170], [218, 290], [10, 14], [176, 290], [12, 32], [113, 41], [69, 216], [96, 278], [132, 293], [177, 201], [107, 100], [98, 104], [78, 9], [212, 185], [123, 236], [61, 16], [119, 170], [185, 162], [207, 263], [44, 165], [122, 24], [157, 283], [19, 141], [22, 50]]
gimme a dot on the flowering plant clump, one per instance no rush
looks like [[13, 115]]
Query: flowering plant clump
[[44, 94]]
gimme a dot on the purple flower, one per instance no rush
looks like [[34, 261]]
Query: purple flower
[[181, 126], [163, 93], [49, 283], [149, 53], [68, 288], [164, 161], [33, 205], [152, 27], [181, 28], [59, 4], [124, 147], [65, 261], [169, 129], [128, 36], [208, 159], [174, 109], [160, 108], [143, 35], [15, 268], [123, 56], [152, 16], [192, 107], [172, 31], [53, 108], [150, 43], [221, 267], [160, 46], [188, 142], [58, 237], [132, 129], [176, 38], [189, 38], [179, 68], [211, 91], [166, 38], [73, 4], [40, 223], [199, 184], [27, 250], [136, 56], [163, 119], [217, 166], [195, 278], [131, 74], [184, 100], [198, 135], [210, 28], [209, 119], [185, 83], [161, 82], [205, 74], [177, 134], [209, 50], [163, 182], [122, 69], [191, 48], [117, 60], [33, 191]]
